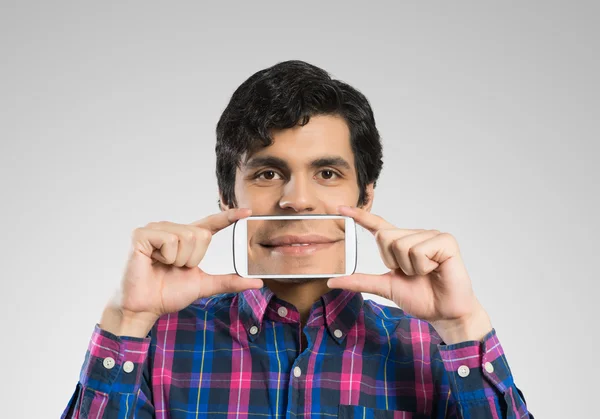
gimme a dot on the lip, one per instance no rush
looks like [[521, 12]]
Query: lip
[[293, 239], [314, 243]]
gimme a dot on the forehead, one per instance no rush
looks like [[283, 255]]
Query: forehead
[[323, 135]]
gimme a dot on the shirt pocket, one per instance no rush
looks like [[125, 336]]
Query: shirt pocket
[[346, 411]]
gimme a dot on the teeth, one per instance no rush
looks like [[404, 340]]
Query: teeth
[[299, 244]]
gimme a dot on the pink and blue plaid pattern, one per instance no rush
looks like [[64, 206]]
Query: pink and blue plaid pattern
[[239, 356]]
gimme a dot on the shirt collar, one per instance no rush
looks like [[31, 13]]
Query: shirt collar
[[338, 310]]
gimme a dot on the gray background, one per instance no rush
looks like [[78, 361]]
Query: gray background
[[489, 117]]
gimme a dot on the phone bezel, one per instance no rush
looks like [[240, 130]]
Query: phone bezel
[[240, 245]]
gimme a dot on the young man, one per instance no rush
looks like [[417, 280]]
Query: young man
[[179, 343]]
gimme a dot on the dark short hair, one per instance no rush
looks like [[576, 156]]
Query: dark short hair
[[285, 95]]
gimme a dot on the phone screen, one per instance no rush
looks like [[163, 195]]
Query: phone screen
[[296, 247]]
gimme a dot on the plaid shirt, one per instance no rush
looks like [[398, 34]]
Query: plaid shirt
[[239, 356]]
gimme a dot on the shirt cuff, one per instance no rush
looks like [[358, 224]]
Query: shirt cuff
[[477, 370], [114, 363]]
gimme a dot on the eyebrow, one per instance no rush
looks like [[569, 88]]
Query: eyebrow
[[335, 161], [262, 161]]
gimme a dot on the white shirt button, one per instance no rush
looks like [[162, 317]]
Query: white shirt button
[[128, 366], [108, 362], [463, 371], [338, 333], [297, 372], [253, 330], [282, 311], [489, 367]]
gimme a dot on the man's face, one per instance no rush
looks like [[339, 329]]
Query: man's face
[[307, 170]]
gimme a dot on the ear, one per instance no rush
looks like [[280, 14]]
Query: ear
[[370, 195], [222, 206]]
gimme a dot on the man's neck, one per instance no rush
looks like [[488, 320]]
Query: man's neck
[[300, 295]]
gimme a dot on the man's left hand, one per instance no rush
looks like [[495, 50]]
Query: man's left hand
[[428, 278]]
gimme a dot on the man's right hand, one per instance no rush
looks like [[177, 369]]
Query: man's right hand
[[162, 274]]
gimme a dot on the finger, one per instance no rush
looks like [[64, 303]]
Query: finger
[[159, 245], [385, 239], [218, 284], [190, 240], [404, 249], [217, 222], [364, 218], [432, 252], [203, 239], [373, 284]]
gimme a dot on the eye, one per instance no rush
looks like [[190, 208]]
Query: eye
[[328, 174], [267, 175]]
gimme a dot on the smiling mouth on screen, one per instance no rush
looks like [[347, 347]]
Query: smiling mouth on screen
[[299, 245]]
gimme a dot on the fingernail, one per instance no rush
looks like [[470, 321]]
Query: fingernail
[[346, 207]]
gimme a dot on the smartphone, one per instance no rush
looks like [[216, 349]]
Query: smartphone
[[294, 246]]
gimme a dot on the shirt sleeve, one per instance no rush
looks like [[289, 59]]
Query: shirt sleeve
[[480, 380], [113, 382]]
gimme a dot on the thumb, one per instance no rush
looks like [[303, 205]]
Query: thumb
[[373, 284], [218, 284]]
